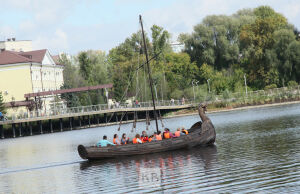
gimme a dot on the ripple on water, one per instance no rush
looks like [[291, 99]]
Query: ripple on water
[[257, 150]]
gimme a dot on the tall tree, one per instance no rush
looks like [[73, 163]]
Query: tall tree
[[257, 41]]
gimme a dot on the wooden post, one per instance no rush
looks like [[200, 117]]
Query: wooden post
[[89, 120], [30, 128], [41, 127], [105, 115], [116, 117], [26, 128], [97, 117], [70, 120], [20, 129], [51, 127], [14, 130], [61, 124], [2, 131], [79, 119], [126, 116]]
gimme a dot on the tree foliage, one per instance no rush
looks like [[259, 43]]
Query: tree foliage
[[256, 45]]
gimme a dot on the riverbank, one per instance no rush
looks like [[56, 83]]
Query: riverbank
[[210, 110]]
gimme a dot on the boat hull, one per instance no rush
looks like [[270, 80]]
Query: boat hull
[[196, 137]]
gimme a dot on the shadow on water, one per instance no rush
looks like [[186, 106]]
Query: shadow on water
[[207, 155]]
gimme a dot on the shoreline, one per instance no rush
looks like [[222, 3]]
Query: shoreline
[[234, 109]]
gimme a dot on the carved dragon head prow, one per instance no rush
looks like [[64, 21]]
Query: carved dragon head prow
[[201, 110]]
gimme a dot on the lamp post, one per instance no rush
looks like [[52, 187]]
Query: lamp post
[[193, 89], [208, 85], [193, 83], [245, 79]]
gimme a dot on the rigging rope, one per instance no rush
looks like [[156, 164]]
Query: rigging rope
[[123, 114]]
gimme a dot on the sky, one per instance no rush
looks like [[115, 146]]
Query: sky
[[72, 26]]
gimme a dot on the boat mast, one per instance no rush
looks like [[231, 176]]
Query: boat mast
[[149, 73]]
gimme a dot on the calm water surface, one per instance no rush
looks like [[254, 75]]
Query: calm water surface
[[257, 150]]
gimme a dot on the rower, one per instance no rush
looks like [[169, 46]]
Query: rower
[[137, 139], [124, 140], [104, 142], [177, 133], [116, 140], [158, 136], [144, 137], [151, 138], [167, 134], [183, 130]]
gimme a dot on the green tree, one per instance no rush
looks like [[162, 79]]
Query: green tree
[[85, 65], [160, 40], [294, 56], [283, 38], [257, 41]]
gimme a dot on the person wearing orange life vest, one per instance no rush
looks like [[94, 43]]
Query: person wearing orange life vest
[[177, 133], [158, 136], [137, 139], [183, 130], [124, 139], [167, 134], [116, 140], [151, 138]]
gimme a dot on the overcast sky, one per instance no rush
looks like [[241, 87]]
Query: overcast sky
[[75, 25]]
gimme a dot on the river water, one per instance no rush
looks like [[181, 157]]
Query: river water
[[257, 150]]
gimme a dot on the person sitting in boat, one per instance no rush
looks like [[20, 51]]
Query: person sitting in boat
[[167, 134], [183, 130], [158, 136], [124, 140], [137, 139], [150, 138], [116, 140], [144, 137], [177, 133], [104, 142]]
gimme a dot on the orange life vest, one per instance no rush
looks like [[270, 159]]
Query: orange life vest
[[124, 141], [185, 131], [150, 139], [134, 140], [114, 141], [177, 133], [166, 135], [158, 137]]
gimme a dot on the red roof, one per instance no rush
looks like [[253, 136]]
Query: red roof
[[35, 56], [11, 57]]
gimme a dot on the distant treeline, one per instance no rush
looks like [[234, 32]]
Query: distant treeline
[[258, 45]]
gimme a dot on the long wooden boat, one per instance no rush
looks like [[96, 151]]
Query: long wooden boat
[[201, 133]]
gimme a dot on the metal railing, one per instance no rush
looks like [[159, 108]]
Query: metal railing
[[210, 98], [61, 111]]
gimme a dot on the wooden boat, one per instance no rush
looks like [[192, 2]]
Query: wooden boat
[[201, 133]]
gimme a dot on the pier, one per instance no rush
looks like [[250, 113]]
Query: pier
[[59, 120]]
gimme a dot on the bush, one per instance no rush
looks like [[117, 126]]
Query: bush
[[177, 94], [271, 86], [292, 84]]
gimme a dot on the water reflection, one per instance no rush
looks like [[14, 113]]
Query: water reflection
[[258, 151], [172, 165]]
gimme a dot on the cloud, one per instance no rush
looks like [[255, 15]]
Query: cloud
[[75, 25], [58, 40], [6, 32]]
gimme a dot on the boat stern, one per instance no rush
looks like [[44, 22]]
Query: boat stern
[[82, 152]]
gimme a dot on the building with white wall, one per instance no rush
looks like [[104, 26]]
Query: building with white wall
[[28, 72], [11, 44]]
